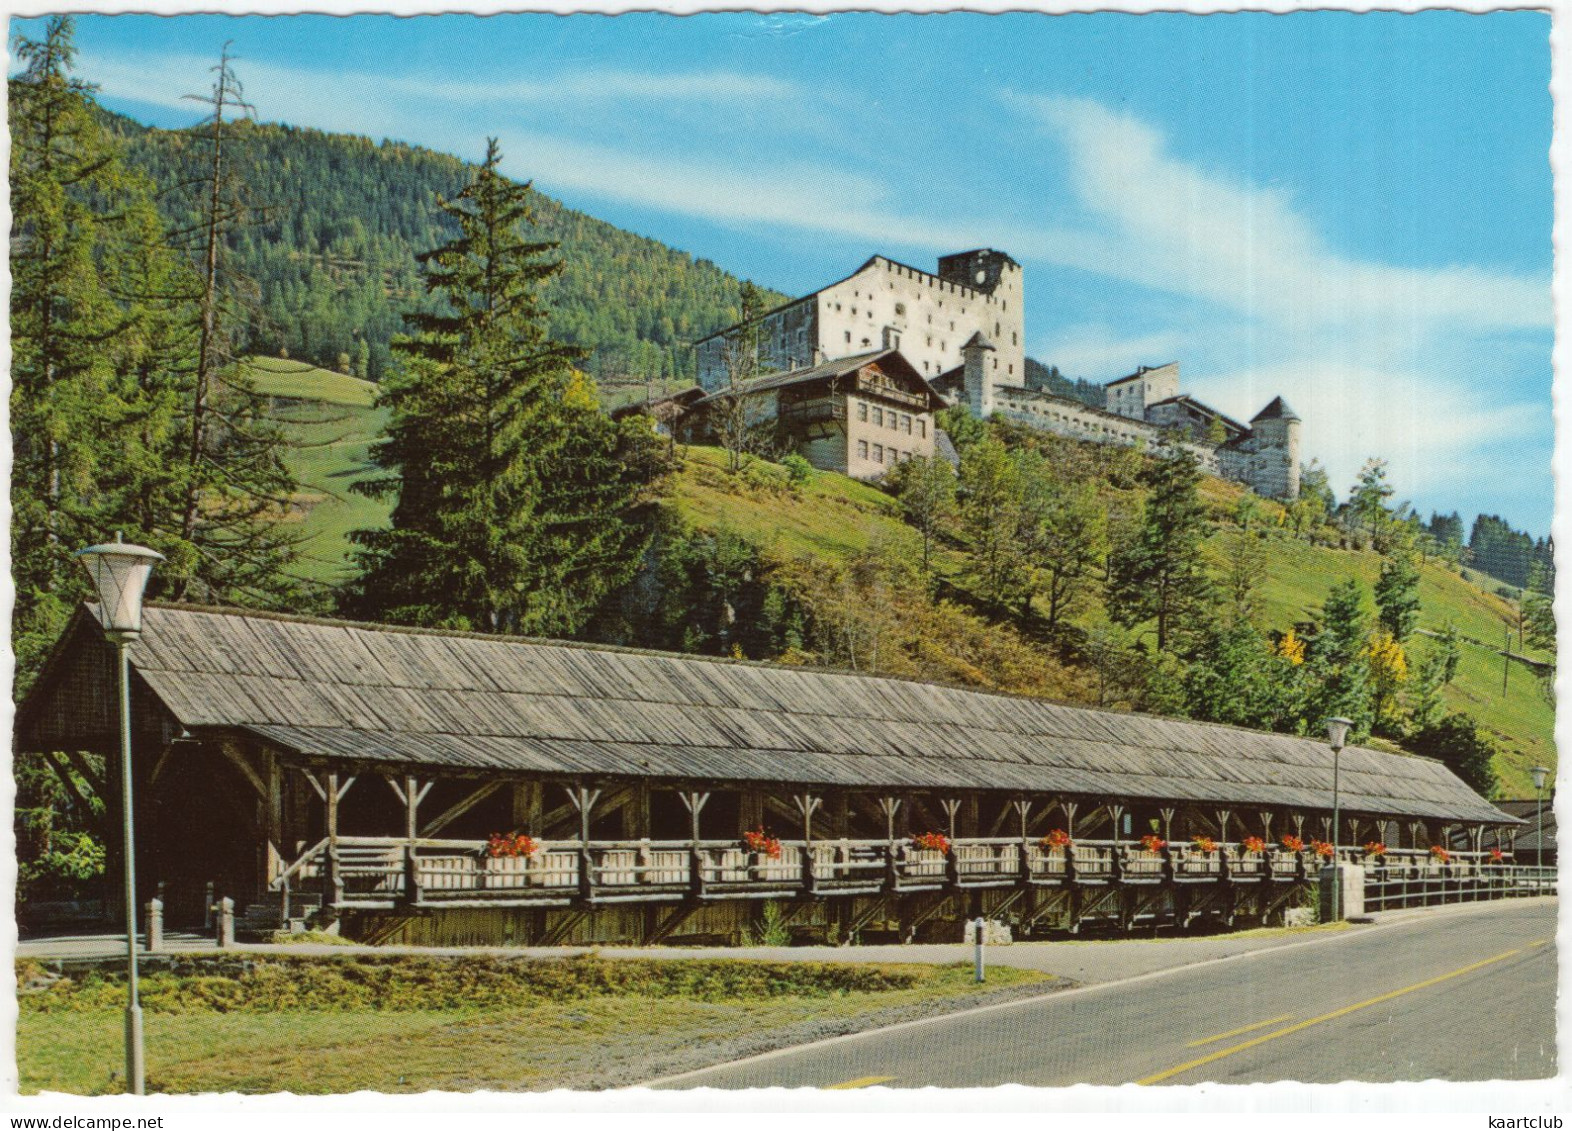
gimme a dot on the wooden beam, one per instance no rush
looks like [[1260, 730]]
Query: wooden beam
[[94, 819], [312, 778], [241, 763], [162, 761], [79, 764], [458, 809]]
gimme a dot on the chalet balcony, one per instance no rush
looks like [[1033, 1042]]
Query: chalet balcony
[[811, 412]]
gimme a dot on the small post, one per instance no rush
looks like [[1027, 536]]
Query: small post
[[226, 923], [207, 907], [980, 974], [155, 925]]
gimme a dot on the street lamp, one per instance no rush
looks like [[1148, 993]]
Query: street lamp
[[1540, 772], [1337, 735], [120, 573]]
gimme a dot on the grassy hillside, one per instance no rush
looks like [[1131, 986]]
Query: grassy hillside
[[332, 421], [835, 519]]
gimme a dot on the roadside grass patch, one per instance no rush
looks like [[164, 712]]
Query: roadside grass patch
[[329, 1024]]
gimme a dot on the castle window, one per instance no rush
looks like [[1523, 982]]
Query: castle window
[[900, 310], [925, 367], [1011, 367], [878, 453], [906, 424], [878, 416], [862, 410], [862, 449], [1014, 338], [996, 363], [848, 337], [864, 341], [922, 428]]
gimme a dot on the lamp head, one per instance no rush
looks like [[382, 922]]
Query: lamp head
[[1337, 731], [1540, 773], [120, 572]]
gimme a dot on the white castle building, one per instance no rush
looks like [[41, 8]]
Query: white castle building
[[963, 331], [887, 305]]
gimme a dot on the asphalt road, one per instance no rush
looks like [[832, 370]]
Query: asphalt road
[[1439, 996]]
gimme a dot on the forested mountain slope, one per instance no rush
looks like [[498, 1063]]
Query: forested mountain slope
[[336, 221]]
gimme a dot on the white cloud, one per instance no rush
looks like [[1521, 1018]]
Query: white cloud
[[285, 92], [1435, 435], [1176, 227]]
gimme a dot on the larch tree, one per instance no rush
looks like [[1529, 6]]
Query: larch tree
[[513, 494], [64, 183]]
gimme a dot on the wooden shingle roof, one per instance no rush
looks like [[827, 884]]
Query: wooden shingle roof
[[374, 694]]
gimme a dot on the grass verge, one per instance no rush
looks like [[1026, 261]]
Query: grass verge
[[407, 1024]]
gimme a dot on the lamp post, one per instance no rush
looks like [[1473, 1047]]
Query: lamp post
[[1540, 773], [1337, 734], [120, 573]]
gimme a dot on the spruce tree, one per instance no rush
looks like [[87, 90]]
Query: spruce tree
[[1397, 595], [1338, 679], [1159, 575], [513, 494]]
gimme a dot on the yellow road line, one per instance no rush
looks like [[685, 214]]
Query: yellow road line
[[860, 1082], [1236, 1032], [1158, 1077]]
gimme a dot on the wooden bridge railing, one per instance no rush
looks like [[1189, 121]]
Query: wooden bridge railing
[[387, 871]]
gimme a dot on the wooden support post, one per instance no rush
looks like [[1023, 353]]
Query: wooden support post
[[807, 804], [1222, 825], [1023, 866], [1069, 808], [272, 819], [332, 883], [1299, 825], [583, 799], [891, 806], [1266, 824], [951, 807], [1167, 814], [694, 802]]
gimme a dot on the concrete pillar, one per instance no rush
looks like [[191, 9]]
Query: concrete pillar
[[155, 926], [1351, 889]]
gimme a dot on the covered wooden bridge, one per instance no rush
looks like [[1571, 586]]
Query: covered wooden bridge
[[456, 788]]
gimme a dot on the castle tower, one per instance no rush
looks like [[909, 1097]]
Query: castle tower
[[977, 379], [1002, 319], [1275, 430]]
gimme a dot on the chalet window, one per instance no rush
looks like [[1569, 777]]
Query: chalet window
[[862, 410], [922, 428], [906, 424], [862, 449], [894, 423], [878, 453]]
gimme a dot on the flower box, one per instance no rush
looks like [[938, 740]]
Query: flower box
[[1153, 843], [931, 842], [1253, 844], [1058, 838], [761, 842], [500, 845]]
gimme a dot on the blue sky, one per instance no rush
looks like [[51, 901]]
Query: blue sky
[[1351, 210]]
